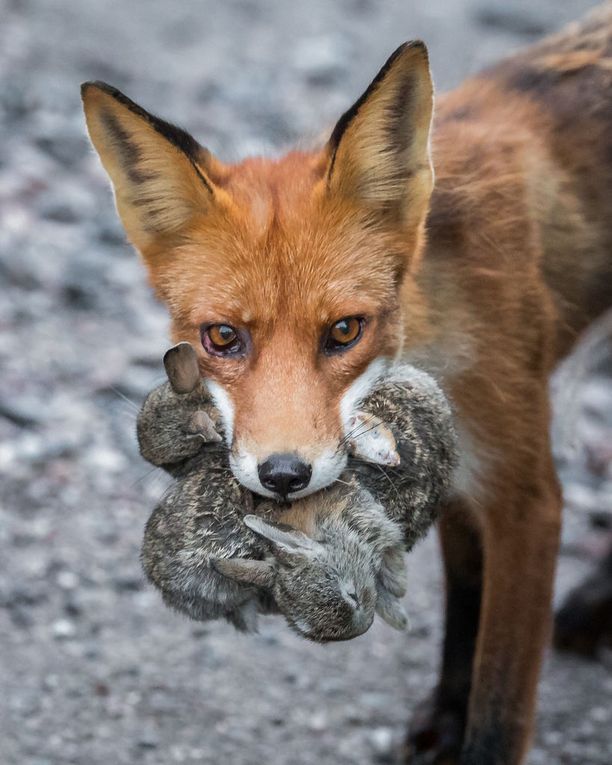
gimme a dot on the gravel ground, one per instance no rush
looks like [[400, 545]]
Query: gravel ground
[[93, 669]]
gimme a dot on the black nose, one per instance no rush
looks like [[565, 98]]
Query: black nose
[[284, 473]]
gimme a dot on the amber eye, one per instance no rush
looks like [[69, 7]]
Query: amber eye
[[344, 334], [221, 340]]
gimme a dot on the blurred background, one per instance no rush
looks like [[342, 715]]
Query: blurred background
[[93, 669]]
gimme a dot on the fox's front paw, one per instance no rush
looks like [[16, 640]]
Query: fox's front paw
[[435, 735], [371, 440]]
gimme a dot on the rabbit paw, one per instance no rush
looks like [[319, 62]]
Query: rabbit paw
[[392, 574], [201, 424], [390, 609], [244, 618], [390, 587]]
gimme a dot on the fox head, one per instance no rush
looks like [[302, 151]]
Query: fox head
[[286, 274]]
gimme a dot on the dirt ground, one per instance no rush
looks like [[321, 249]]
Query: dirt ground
[[93, 669]]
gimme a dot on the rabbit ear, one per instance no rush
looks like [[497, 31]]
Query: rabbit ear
[[283, 538], [391, 610], [181, 364], [246, 571], [371, 440]]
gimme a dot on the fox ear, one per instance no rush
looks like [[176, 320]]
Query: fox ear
[[379, 150], [158, 171]]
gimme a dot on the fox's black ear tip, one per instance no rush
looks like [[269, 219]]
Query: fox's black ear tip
[[407, 53], [85, 86], [97, 85], [415, 46]]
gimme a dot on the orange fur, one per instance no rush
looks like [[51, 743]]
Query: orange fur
[[517, 262]]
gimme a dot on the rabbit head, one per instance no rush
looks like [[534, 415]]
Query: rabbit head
[[177, 418], [326, 590]]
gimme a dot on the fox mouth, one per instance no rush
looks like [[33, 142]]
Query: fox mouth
[[326, 469]]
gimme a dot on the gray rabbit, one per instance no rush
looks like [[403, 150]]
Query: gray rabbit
[[330, 581], [418, 418], [341, 557], [200, 518]]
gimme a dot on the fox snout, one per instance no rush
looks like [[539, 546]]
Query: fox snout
[[284, 474], [287, 445], [287, 475]]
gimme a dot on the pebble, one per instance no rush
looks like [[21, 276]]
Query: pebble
[[318, 721], [381, 740], [63, 629], [149, 740], [67, 580], [23, 411]]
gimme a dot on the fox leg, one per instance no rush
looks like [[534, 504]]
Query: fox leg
[[437, 727], [517, 516], [520, 541], [584, 622]]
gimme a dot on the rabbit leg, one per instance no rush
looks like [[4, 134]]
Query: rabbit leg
[[244, 618], [390, 609], [392, 574]]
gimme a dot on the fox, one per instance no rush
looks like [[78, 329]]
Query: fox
[[474, 241]]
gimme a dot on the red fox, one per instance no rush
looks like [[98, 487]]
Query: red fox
[[301, 279]]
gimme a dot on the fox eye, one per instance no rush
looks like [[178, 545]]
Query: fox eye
[[221, 340], [343, 334]]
